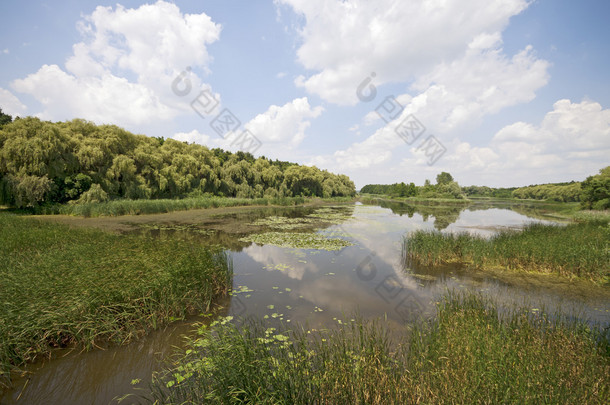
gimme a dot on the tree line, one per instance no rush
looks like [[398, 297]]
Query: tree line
[[484, 191], [593, 193], [596, 191], [563, 192], [445, 187], [78, 161]]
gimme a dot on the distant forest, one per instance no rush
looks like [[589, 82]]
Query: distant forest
[[593, 193], [445, 187], [44, 162]]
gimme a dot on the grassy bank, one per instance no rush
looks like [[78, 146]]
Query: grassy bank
[[580, 249], [468, 354], [139, 207], [61, 286]]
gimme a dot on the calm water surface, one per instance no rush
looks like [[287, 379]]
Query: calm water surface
[[315, 288]]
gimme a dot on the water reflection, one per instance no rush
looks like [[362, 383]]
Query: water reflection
[[317, 288], [98, 376]]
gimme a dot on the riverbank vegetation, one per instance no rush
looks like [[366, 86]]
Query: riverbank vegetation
[[593, 193], [470, 353], [77, 161], [562, 192], [61, 286], [445, 188], [596, 191], [140, 207], [579, 249]]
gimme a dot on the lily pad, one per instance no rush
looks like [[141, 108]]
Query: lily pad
[[284, 223], [299, 240]]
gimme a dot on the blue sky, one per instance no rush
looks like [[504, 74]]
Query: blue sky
[[497, 92]]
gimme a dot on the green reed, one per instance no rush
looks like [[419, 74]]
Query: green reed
[[469, 353], [580, 249], [61, 286], [138, 207]]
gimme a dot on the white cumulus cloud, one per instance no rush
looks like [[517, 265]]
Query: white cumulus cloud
[[571, 142], [344, 41], [277, 131], [192, 137], [285, 125], [450, 99], [10, 104], [123, 69]]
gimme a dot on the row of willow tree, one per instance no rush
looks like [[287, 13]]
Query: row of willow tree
[[44, 162]]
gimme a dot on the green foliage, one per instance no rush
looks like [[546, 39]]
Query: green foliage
[[596, 191], [484, 191], [43, 162], [573, 250], [4, 118], [24, 191], [95, 203], [562, 192], [74, 187], [471, 352], [451, 189], [443, 178], [95, 194], [62, 286], [396, 189], [446, 187]]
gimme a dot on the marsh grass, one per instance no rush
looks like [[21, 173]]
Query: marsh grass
[[61, 286], [580, 249], [592, 216], [139, 207], [468, 354]]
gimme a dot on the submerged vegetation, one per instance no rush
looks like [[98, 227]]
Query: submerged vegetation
[[297, 240], [469, 353], [302, 240], [61, 286], [43, 162], [580, 249]]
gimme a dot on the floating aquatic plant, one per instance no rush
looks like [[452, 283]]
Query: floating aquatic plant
[[299, 240]]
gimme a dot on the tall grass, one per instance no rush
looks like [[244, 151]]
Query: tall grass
[[61, 286], [574, 250], [592, 216], [468, 354], [138, 207]]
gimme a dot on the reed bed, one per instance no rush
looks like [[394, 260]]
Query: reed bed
[[580, 249], [592, 216], [61, 286], [468, 354], [138, 207]]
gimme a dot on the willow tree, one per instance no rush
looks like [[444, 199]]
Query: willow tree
[[77, 160]]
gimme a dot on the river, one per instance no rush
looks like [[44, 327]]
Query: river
[[312, 287]]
